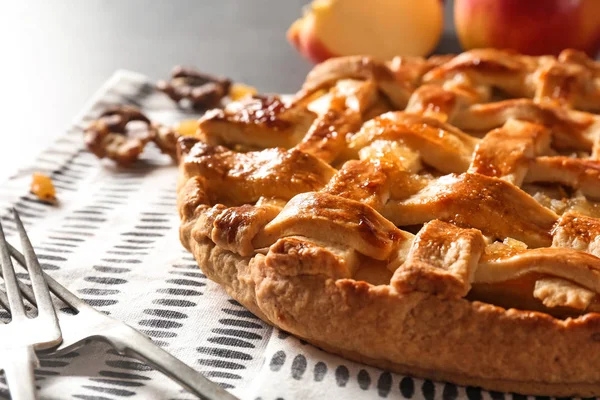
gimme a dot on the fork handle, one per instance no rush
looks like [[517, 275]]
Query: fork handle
[[139, 346], [19, 364]]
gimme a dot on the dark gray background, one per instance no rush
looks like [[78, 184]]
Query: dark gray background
[[55, 54]]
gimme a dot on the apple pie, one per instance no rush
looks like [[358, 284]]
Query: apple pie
[[435, 217]]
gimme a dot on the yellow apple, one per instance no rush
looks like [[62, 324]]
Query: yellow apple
[[532, 27], [379, 28]]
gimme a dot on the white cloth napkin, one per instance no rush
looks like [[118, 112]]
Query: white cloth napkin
[[113, 240]]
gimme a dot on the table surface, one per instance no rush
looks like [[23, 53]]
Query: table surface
[[55, 54]]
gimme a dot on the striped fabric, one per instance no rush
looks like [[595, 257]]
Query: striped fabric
[[113, 240]]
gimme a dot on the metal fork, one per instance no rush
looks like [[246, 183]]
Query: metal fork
[[88, 324], [23, 335]]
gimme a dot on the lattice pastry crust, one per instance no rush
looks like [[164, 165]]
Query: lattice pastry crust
[[435, 217]]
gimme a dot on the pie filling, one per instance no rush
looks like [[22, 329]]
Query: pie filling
[[373, 274]]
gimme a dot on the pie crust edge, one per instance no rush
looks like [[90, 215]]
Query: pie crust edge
[[376, 324]]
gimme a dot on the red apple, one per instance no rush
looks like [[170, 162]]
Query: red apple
[[534, 27], [301, 35], [380, 28]]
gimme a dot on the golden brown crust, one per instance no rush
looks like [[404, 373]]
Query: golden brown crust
[[570, 129], [577, 173], [569, 80], [440, 145], [578, 232], [358, 67], [492, 205], [442, 260], [245, 177], [508, 151], [364, 181], [326, 138], [336, 220], [256, 122]]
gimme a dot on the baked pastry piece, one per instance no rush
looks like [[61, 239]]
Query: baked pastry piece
[[436, 217]]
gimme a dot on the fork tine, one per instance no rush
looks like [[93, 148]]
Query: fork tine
[[4, 300], [25, 290], [38, 283], [59, 290], [15, 300]]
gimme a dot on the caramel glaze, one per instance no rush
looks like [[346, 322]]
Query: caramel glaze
[[507, 150], [579, 226], [492, 205], [230, 222], [365, 181], [560, 87], [332, 218], [262, 110], [371, 232], [432, 99], [326, 139], [234, 178]]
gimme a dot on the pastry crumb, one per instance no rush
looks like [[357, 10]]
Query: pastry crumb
[[187, 127], [43, 188], [238, 91]]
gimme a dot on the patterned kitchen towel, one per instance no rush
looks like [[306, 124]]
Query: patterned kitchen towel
[[113, 240]]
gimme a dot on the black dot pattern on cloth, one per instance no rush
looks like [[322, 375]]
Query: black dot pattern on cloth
[[298, 366], [407, 387], [450, 392], [428, 390], [277, 361], [364, 380], [497, 396], [384, 384], [473, 393], [320, 371], [341, 375]]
